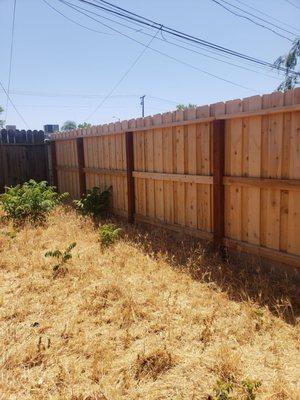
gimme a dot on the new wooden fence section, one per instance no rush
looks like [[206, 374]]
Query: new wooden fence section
[[229, 171], [22, 157]]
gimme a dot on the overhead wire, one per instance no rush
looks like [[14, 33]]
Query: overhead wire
[[144, 21], [142, 31], [47, 94], [11, 55], [288, 1], [75, 22], [255, 16], [248, 18], [175, 44], [11, 102], [123, 77], [267, 15], [92, 96], [164, 54]]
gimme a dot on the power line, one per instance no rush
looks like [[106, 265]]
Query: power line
[[250, 19], [267, 15], [218, 59], [123, 77], [75, 22], [162, 99], [174, 44], [11, 55], [176, 33], [144, 33], [288, 1], [180, 34], [91, 96], [47, 94], [160, 52], [261, 19], [15, 108], [62, 106]]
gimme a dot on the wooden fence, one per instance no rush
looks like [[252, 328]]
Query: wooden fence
[[229, 171], [22, 157]]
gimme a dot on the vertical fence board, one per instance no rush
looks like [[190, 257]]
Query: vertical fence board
[[180, 186], [158, 167], [168, 168]]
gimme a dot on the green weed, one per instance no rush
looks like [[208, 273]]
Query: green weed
[[30, 201], [251, 387], [94, 202], [222, 391], [233, 390], [61, 256], [109, 234], [11, 235]]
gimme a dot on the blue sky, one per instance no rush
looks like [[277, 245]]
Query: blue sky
[[60, 70]]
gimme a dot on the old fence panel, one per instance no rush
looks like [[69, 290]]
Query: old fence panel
[[22, 157], [228, 171]]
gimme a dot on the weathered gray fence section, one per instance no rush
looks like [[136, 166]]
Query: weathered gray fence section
[[23, 156]]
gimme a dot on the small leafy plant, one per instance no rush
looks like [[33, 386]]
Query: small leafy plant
[[222, 391], [11, 235], [109, 234], [61, 256], [230, 389], [30, 201], [94, 202], [251, 386]]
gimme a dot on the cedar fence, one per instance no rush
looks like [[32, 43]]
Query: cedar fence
[[228, 172], [22, 157]]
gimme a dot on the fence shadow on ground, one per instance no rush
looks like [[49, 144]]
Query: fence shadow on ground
[[240, 277]]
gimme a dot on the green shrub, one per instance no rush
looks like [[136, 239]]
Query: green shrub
[[61, 256], [94, 202], [32, 200], [109, 234]]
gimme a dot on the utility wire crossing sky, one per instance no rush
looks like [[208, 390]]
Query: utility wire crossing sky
[[198, 52]]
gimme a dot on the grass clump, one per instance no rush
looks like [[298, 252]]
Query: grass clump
[[95, 202], [109, 234], [61, 256], [30, 201], [153, 365]]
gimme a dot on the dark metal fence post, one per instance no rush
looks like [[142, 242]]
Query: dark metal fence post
[[218, 188], [130, 179], [81, 165], [54, 164]]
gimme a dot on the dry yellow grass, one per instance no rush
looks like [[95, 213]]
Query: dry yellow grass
[[147, 318]]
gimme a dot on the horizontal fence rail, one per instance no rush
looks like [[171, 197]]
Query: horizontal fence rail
[[229, 172]]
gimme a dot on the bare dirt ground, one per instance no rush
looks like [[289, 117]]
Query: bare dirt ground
[[149, 317]]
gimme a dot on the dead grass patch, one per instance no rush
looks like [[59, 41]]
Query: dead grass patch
[[147, 318], [153, 365]]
